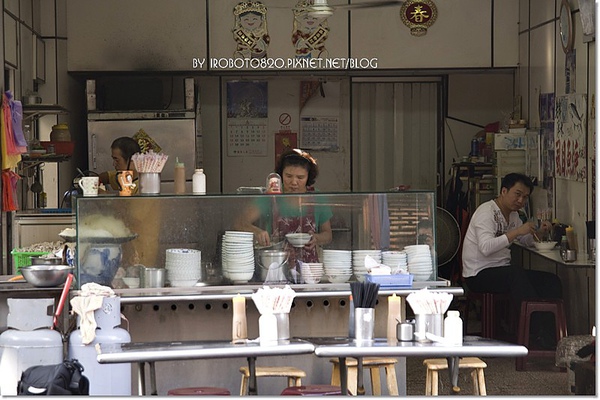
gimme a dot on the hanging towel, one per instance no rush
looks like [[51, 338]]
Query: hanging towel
[[92, 295], [10, 200], [17, 123], [85, 307], [10, 158]]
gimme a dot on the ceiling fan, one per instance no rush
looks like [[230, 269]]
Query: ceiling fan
[[321, 8]]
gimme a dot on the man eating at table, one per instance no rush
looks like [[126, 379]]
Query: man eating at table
[[486, 254]]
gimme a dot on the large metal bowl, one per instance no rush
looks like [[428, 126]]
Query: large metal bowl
[[46, 275]]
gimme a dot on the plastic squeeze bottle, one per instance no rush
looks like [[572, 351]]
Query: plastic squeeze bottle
[[239, 332], [179, 177], [199, 182], [453, 327], [394, 316]]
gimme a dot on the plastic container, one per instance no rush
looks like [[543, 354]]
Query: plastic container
[[179, 177], [274, 184], [199, 182], [60, 133], [453, 327], [564, 245], [267, 329], [23, 259], [474, 148]]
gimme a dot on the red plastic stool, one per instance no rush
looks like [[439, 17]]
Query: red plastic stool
[[556, 307], [489, 303], [312, 390], [199, 391]]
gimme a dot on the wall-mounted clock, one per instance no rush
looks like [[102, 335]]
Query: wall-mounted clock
[[565, 24]]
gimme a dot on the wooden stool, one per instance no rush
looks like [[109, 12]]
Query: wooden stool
[[312, 390], [199, 391], [373, 364], [294, 376], [436, 364], [556, 307]]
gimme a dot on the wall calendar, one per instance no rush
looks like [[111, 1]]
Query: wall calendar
[[319, 133], [246, 137]]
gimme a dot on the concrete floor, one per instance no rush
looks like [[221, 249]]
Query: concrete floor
[[541, 378]]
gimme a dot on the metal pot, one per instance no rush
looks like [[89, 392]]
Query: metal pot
[[268, 257]]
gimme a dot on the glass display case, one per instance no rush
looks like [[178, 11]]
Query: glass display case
[[245, 239]]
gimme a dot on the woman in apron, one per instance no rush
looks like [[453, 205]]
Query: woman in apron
[[289, 214]]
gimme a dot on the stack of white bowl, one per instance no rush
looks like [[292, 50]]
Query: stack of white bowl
[[237, 255], [311, 272], [420, 262], [395, 259], [358, 262], [183, 266], [337, 265]]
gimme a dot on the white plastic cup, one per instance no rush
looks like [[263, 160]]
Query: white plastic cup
[[267, 329]]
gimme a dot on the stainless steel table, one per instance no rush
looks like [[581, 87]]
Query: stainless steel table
[[473, 346], [151, 352]]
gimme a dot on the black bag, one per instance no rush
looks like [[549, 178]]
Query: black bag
[[59, 379]]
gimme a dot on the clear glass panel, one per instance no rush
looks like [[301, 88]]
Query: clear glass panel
[[118, 236]]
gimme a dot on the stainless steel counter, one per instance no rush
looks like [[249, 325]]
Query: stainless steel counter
[[473, 346], [151, 352], [193, 350], [145, 295]]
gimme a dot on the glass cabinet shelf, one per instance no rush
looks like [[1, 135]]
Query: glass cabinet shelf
[[117, 237]]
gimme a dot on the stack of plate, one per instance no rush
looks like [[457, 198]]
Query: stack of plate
[[395, 259], [337, 265], [237, 255], [358, 262], [420, 263], [311, 272], [183, 266]]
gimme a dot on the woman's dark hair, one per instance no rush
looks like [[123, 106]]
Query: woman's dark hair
[[512, 179], [297, 157], [127, 145]]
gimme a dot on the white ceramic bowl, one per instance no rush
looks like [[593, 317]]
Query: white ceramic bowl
[[133, 283], [545, 246], [339, 278], [240, 277], [298, 239]]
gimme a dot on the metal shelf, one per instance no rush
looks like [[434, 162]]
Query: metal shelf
[[30, 162], [35, 111]]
